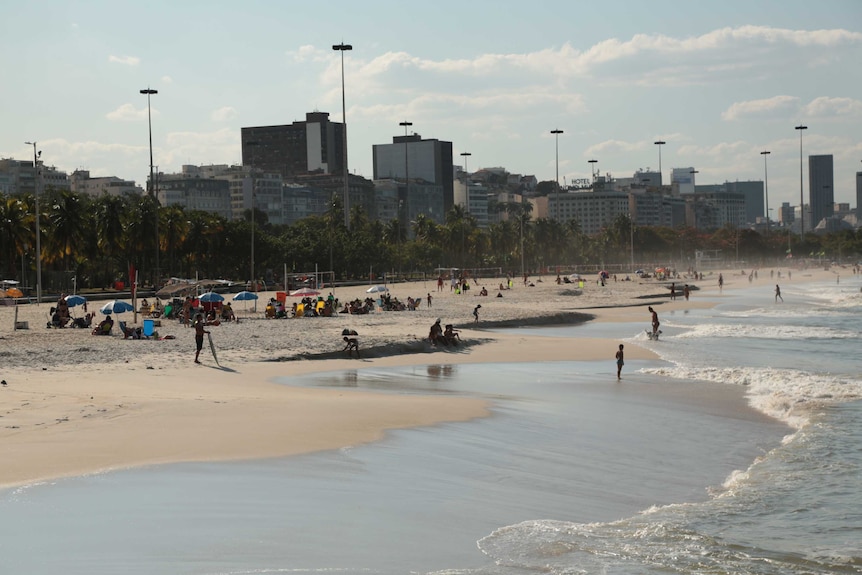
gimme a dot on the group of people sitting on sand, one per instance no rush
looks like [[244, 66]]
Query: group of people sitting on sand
[[440, 336], [306, 307]]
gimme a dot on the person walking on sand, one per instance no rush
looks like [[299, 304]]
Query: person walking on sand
[[429, 299], [778, 294], [720, 282], [199, 335], [476, 313], [620, 362]]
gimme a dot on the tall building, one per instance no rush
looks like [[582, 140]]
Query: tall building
[[315, 146], [859, 196], [684, 178], [413, 159], [752, 191], [821, 191]]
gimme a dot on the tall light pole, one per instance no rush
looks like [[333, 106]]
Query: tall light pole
[[152, 187], [36, 178], [659, 143], [252, 147], [801, 128], [344, 48], [632, 239], [406, 125], [766, 186], [593, 168], [556, 134]]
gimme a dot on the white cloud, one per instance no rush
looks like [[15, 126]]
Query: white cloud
[[128, 113], [125, 60], [767, 106], [825, 106], [308, 53], [167, 80], [223, 114]]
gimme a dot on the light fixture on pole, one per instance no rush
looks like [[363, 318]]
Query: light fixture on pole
[[766, 187], [801, 195], [152, 184], [36, 178], [344, 48], [592, 168], [252, 147], [659, 143], [556, 134], [466, 155]]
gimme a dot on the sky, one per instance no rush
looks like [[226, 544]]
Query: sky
[[718, 81]]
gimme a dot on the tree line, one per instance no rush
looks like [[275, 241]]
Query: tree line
[[95, 239]]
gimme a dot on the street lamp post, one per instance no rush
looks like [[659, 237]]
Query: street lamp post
[[801, 128], [766, 187], [556, 134], [406, 125], [592, 168], [659, 143], [344, 48], [252, 146], [36, 175], [152, 184]]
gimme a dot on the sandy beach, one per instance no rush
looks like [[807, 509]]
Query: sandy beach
[[76, 403]]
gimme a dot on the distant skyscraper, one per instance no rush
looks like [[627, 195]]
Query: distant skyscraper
[[859, 195], [313, 146], [753, 193], [821, 192], [411, 157]]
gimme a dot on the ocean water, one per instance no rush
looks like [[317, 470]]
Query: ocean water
[[739, 452]]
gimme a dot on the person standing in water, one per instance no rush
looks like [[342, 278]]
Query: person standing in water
[[620, 361], [778, 294]]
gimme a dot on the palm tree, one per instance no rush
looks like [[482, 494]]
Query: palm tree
[[14, 231], [67, 222]]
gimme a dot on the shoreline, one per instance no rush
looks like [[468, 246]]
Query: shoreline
[[78, 404]]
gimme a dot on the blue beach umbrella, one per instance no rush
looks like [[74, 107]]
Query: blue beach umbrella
[[210, 297], [75, 300], [116, 306], [245, 296]]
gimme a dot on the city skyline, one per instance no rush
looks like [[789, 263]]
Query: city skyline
[[717, 84]]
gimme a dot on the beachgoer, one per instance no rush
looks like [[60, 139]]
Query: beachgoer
[[720, 282], [476, 313], [439, 283], [436, 332], [429, 299], [451, 334], [672, 291], [351, 344], [778, 294], [199, 335], [686, 291], [620, 361], [655, 322]]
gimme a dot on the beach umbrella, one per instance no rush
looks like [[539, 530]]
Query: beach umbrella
[[302, 292], [116, 306], [377, 289], [75, 300], [14, 292], [245, 296], [210, 297]]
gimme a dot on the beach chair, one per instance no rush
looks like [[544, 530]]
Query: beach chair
[[149, 328]]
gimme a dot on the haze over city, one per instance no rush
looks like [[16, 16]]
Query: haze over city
[[718, 82]]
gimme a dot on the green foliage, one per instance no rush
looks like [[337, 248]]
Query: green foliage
[[96, 239]]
